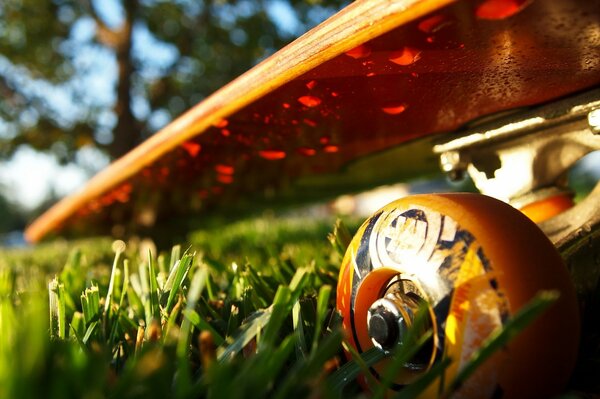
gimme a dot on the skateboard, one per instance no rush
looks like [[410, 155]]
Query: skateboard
[[504, 90]]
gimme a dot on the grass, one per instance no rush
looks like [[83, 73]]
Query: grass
[[246, 311]]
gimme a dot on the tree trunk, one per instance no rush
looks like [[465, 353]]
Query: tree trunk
[[126, 133]]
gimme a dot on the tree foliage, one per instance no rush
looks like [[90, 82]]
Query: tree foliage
[[109, 73]]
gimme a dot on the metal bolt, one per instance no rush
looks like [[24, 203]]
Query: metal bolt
[[390, 317], [385, 324], [389, 320], [594, 120], [453, 165]]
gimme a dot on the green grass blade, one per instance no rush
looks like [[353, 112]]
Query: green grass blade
[[58, 316], [175, 256], [183, 383], [90, 330], [349, 371], [322, 307], [90, 304], [119, 248], [247, 333], [126, 283], [414, 389], [297, 323], [77, 325], [298, 282], [280, 310], [277, 358], [312, 367], [153, 293], [194, 293], [179, 272], [340, 238], [264, 292], [203, 325]]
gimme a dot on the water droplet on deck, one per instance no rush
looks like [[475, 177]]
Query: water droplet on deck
[[272, 155], [226, 132], [309, 101], [309, 122], [306, 151], [500, 9], [331, 148], [406, 56], [334, 94], [225, 179], [122, 193], [191, 147], [225, 169], [311, 84], [433, 24], [394, 109], [371, 74], [361, 51], [324, 140], [95, 206], [221, 124], [286, 105]]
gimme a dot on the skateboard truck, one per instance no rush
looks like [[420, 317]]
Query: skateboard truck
[[523, 159]]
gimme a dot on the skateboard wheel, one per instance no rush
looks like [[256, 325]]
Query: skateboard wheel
[[545, 209], [475, 261]]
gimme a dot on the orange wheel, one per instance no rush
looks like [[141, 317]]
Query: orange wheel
[[476, 261], [543, 210]]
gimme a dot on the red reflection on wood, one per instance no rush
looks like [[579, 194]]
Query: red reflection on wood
[[361, 51], [406, 56], [272, 155], [394, 109], [306, 151], [225, 169], [309, 101], [192, 148], [500, 9]]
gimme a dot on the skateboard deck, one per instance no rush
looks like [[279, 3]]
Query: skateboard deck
[[357, 101]]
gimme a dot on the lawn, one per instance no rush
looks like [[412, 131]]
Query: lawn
[[243, 310]]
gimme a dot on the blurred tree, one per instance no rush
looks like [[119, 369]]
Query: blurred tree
[[12, 217], [108, 73]]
